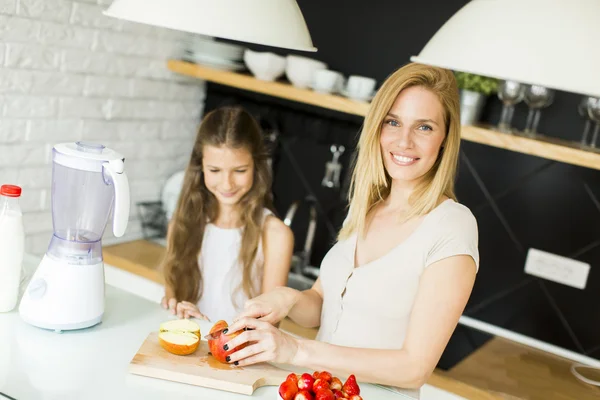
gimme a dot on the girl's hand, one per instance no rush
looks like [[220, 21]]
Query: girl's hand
[[270, 307], [185, 309], [265, 343], [169, 303]]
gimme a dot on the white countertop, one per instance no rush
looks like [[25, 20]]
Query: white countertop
[[92, 363]]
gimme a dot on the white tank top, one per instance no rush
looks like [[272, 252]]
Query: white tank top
[[222, 272]]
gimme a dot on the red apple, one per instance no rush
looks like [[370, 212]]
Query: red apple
[[216, 345]]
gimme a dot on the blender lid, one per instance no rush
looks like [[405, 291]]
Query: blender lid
[[87, 156]]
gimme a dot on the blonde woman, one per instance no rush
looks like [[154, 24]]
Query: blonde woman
[[225, 245], [393, 287]]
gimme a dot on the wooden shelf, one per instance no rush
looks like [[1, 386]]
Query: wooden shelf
[[276, 89], [539, 146]]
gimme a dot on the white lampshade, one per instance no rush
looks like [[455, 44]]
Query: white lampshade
[[552, 43], [277, 23]]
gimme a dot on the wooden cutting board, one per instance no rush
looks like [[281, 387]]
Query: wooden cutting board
[[202, 369]]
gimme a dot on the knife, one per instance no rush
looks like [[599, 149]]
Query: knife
[[216, 334]]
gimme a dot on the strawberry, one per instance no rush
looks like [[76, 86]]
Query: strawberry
[[287, 390], [326, 376], [351, 387], [320, 384], [355, 397], [335, 384], [324, 394], [292, 378], [304, 395], [339, 394], [315, 374], [306, 382]]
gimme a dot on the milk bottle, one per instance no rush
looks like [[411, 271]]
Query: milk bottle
[[12, 238]]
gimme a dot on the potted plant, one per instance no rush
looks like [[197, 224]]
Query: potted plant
[[474, 91]]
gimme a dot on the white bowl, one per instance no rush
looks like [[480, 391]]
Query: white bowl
[[265, 66], [228, 51], [300, 70]]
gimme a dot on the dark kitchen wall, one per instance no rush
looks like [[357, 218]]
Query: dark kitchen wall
[[519, 201]]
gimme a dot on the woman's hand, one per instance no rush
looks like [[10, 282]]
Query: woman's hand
[[183, 309], [265, 343], [270, 307]]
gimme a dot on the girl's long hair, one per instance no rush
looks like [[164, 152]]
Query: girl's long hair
[[235, 128], [371, 183]]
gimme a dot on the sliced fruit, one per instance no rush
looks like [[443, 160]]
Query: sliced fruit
[[180, 343], [180, 326]]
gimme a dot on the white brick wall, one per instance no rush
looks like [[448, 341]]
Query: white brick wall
[[68, 73]]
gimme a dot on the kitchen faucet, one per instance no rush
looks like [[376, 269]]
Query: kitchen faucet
[[301, 259]]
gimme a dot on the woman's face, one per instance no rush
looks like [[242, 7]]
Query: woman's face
[[228, 173], [412, 134]]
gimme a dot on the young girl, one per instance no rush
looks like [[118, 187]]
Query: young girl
[[392, 289], [224, 244]]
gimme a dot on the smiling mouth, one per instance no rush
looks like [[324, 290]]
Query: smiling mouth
[[404, 160], [230, 194]]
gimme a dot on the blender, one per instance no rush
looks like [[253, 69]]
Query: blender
[[67, 290]]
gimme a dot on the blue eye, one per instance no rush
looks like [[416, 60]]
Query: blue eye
[[392, 122], [426, 126]]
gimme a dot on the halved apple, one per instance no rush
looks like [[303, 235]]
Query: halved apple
[[180, 337]]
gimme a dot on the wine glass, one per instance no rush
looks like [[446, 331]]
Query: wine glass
[[582, 109], [593, 108], [511, 93], [536, 97]]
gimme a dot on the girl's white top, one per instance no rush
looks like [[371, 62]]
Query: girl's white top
[[222, 272]]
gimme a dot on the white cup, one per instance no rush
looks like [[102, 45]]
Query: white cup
[[327, 81], [360, 87]]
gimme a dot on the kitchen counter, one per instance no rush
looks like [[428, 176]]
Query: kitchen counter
[[142, 258], [92, 363]]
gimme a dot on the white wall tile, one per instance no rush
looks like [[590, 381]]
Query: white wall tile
[[12, 131], [91, 16], [54, 33], [32, 56], [52, 10], [8, 6], [17, 29], [35, 177], [54, 131], [68, 73], [74, 107], [29, 106], [102, 86], [21, 156]]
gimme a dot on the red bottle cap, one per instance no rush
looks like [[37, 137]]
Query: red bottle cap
[[10, 190]]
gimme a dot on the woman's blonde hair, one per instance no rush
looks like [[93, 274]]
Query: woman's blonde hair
[[371, 183], [234, 128]]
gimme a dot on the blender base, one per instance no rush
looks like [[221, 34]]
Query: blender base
[[62, 296]]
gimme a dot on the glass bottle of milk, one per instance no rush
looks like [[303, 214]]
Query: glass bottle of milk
[[12, 238]]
